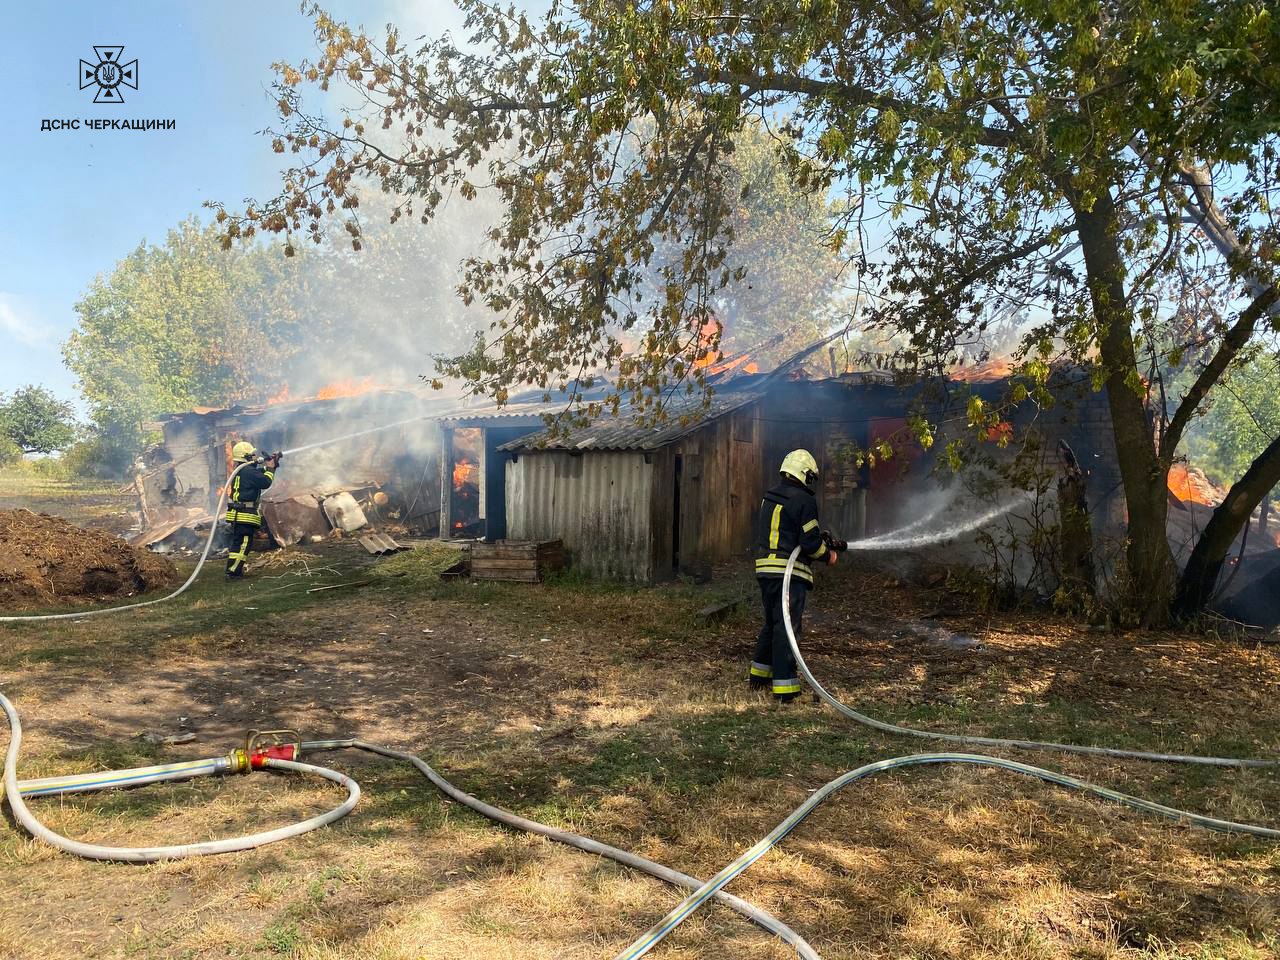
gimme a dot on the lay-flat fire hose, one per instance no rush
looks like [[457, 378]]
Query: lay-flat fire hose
[[10, 784], [702, 892], [213, 530], [275, 759], [655, 934]]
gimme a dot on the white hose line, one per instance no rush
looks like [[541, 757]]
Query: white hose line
[[121, 779], [748, 910], [99, 611], [94, 851], [213, 532], [658, 931], [893, 728], [17, 790]]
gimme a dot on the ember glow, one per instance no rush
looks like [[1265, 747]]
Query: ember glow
[[464, 504], [1190, 485], [996, 368], [281, 396]]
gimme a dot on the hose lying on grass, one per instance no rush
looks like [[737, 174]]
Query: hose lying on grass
[[17, 790], [702, 892], [655, 934], [208, 544]]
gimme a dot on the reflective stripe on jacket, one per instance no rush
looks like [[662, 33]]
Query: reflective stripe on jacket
[[246, 491], [788, 516]]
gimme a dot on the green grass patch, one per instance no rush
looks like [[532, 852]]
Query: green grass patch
[[419, 567]]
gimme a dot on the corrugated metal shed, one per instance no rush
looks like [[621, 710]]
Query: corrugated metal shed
[[685, 415], [598, 505]]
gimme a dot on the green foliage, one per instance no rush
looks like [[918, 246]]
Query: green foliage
[[10, 452], [788, 293], [36, 421], [180, 325], [1038, 163], [419, 567], [88, 457], [1242, 420]]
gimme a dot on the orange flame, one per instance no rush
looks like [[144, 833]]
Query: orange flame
[[282, 396], [996, 368], [346, 388], [709, 333], [464, 472], [1001, 432], [1190, 485]]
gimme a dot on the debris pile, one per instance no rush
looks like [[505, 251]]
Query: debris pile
[[45, 560]]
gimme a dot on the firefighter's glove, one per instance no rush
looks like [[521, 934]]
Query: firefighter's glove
[[834, 545], [832, 557]]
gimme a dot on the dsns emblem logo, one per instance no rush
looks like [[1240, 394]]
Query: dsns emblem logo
[[109, 74]]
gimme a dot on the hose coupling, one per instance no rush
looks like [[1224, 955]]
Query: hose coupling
[[263, 745]]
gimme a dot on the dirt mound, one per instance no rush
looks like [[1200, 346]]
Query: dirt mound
[[46, 560]]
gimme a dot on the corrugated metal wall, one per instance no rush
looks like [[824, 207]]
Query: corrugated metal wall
[[597, 502]]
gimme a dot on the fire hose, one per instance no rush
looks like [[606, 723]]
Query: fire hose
[[655, 934], [284, 757], [208, 545], [276, 758], [245, 760]]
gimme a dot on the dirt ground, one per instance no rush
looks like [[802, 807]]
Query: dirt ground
[[618, 714], [45, 559]]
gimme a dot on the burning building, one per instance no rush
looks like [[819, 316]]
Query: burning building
[[394, 471], [629, 501], [640, 503]]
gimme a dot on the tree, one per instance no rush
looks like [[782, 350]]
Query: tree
[[36, 421], [1064, 156], [1243, 418], [189, 323], [180, 325], [789, 294]]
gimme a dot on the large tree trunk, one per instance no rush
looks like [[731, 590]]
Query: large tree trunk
[[1200, 577], [1150, 569]]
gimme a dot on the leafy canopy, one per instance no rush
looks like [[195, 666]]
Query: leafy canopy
[[33, 420]]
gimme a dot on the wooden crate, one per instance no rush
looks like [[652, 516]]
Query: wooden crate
[[527, 561]]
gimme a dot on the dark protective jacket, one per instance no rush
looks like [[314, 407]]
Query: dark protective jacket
[[788, 516], [246, 491]]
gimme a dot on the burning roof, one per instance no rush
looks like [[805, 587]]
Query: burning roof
[[1190, 485], [684, 415]]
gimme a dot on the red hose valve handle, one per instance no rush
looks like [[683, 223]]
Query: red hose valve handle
[[280, 751]]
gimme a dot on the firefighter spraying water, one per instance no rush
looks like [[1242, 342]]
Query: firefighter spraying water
[[788, 520], [254, 474]]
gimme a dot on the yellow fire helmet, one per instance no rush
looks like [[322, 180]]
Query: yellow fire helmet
[[242, 450], [800, 465]]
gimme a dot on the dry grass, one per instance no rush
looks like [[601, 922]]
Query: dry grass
[[612, 712]]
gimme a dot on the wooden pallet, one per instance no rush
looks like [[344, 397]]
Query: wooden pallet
[[525, 561]]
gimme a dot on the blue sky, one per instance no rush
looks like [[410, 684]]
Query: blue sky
[[72, 203]]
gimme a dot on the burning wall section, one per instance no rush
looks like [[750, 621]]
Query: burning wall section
[[392, 471]]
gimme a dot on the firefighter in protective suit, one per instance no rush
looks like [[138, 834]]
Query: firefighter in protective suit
[[244, 503], [788, 517]]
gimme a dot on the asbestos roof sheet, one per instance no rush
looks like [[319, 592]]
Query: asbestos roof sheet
[[510, 411], [684, 415]]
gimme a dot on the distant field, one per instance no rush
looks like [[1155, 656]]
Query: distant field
[[85, 502]]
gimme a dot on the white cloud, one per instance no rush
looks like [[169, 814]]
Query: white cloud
[[18, 324]]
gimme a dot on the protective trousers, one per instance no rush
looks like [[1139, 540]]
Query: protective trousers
[[773, 664], [238, 548]]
